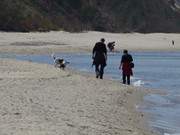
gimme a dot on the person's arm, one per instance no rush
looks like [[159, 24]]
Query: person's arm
[[121, 63], [131, 59], [120, 66], [93, 52], [105, 52], [105, 56]]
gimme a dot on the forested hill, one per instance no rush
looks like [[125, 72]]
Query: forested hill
[[99, 15]]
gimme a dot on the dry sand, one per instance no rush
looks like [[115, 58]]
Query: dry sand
[[38, 99], [76, 42]]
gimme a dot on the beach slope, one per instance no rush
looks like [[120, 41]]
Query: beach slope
[[38, 99]]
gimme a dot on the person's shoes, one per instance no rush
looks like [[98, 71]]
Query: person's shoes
[[97, 74]]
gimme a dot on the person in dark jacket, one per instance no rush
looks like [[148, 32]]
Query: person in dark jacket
[[111, 46], [99, 58], [126, 66]]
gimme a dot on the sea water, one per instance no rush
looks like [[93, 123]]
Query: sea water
[[156, 70]]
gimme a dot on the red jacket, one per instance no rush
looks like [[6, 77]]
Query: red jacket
[[125, 62], [126, 68]]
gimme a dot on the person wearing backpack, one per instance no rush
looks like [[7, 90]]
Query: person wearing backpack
[[126, 65]]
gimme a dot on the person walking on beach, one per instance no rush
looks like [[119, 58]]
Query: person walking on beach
[[99, 56], [126, 65]]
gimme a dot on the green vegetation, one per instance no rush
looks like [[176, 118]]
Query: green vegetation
[[77, 15]]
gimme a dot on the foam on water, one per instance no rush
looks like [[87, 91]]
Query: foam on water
[[138, 83]]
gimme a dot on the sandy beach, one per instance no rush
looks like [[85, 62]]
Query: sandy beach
[[38, 99], [52, 42]]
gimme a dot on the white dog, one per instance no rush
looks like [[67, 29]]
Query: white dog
[[59, 62]]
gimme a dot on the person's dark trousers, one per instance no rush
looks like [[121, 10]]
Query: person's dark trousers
[[99, 68], [126, 78]]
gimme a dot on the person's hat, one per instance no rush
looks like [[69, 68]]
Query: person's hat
[[102, 39], [125, 51]]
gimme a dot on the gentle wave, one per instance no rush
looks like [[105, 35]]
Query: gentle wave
[[138, 83], [171, 134]]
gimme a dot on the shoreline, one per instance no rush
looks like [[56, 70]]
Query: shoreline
[[101, 104], [69, 102]]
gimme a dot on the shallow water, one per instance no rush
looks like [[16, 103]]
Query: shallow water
[[152, 70]]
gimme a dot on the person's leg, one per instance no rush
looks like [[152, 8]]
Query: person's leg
[[97, 70], [124, 78], [101, 71], [128, 79]]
